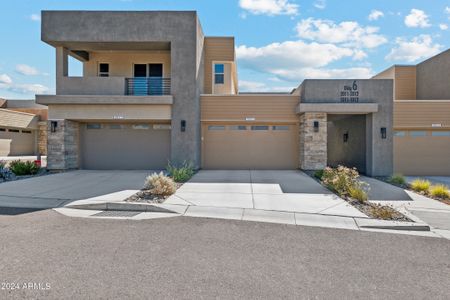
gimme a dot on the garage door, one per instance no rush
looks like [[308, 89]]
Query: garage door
[[250, 146], [124, 146], [16, 142], [422, 152]]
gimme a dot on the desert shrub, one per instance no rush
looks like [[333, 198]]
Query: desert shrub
[[5, 173], [420, 185], [318, 174], [20, 168], [2, 164], [342, 180], [358, 194], [440, 191], [382, 212], [397, 179], [182, 173], [160, 184]]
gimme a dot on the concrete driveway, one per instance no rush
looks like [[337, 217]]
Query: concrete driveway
[[55, 190], [282, 191]]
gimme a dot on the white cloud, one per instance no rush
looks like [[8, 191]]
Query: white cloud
[[375, 15], [5, 79], [345, 32], [254, 86], [417, 18], [447, 10], [443, 26], [35, 17], [320, 4], [29, 88], [26, 70], [296, 60], [419, 47], [269, 7]]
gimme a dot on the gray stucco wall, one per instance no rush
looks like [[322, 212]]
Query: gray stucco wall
[[353, 152], [433, 78], [379, 152], [181, 29]]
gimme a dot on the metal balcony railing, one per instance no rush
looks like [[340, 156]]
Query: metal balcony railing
[[147, 86]]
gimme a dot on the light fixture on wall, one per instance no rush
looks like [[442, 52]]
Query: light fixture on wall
[[383, 132], [345, 137], [53, 125], [316, 126], [183, 125]]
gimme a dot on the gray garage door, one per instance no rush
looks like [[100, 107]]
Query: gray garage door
[[124, 146]]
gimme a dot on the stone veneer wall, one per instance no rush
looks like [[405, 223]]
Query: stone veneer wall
[[63, 145], [313, 145], [42, 138]]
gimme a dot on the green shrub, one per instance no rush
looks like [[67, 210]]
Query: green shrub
[[397, 179], [358, 194], [20, 168], [318, 174], [420, 185], [440, 191], [182, 173], [343, 180], [160, 184]]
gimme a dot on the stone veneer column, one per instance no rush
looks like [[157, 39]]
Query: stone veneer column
[[42, 138], [63, 145], [313, 145]]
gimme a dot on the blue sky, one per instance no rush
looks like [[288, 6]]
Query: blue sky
[[278, 42]]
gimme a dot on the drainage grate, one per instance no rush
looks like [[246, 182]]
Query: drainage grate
[[117, 213]]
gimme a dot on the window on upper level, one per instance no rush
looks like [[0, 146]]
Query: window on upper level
[[219, 73], [103, 70]]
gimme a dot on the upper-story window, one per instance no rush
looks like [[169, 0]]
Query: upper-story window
[[219, 73], [103, 70]]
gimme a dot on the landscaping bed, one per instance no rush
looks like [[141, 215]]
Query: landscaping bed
[[345, 183], [17, 170], [439, 192], [160, 186]]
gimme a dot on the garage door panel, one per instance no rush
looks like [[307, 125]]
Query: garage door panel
[[250, 149], [125, 148], [426, 155]]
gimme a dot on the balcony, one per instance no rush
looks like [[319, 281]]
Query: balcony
[[147, 86]]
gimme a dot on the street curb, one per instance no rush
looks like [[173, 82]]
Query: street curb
[[121, 206], [392, 225]]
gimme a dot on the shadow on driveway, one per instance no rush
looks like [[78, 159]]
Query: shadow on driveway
[[383, 191]]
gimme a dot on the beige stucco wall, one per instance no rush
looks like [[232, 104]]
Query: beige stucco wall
[[218, 49], [110, 112], [121, 62]]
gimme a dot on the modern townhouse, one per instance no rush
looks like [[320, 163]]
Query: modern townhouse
[[154, 89]]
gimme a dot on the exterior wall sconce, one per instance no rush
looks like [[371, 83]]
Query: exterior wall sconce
[[183, 125], [345, 137], [53, 125], [383, 132], [316, 126]]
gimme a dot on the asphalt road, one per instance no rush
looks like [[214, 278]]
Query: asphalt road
[[201, 258]]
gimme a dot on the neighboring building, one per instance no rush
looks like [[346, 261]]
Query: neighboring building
[[421, 116], [154, 89], [23, 128]]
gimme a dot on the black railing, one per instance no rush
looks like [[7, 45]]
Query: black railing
[[147, 86]]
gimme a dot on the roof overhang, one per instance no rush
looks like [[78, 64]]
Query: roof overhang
[[15, 119]]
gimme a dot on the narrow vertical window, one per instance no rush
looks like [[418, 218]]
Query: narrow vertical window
[[219, 73], [103, 70]]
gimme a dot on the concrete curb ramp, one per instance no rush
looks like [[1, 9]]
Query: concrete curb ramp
[[247, 214]]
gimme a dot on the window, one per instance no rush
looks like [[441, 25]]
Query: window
[[440, 133], [26, 131], [260, 127], [238, 127], [103, 70], [215, 127], [93, 126], [141, 126], [399, 133], [279, 127], [2, 129], [417, 133], [13, 130], [219, 73]]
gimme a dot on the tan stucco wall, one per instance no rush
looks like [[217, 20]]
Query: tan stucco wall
[[405, 83], [110, 112], [121, 62], [217, 49]]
